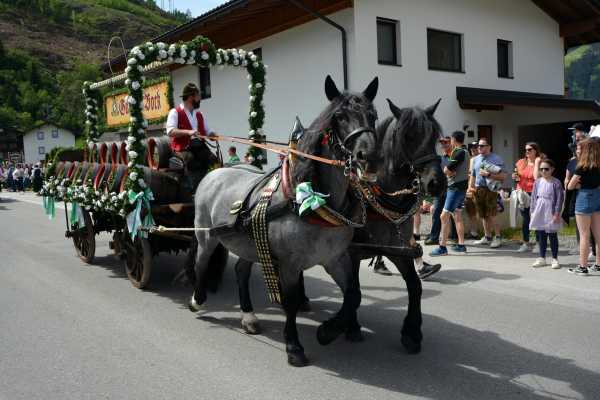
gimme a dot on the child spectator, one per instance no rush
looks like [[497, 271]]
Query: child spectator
[[547, 199]]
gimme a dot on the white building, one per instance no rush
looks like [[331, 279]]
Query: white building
[[39, 141], [497, 65]]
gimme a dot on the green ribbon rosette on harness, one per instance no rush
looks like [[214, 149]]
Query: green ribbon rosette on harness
[[308, 198], [49, 207], [77, 215], [134, 218]]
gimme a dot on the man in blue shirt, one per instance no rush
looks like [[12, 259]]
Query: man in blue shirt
[[485, 182]]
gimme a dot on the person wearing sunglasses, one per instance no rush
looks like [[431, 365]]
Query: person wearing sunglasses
[[587, 203], [525, 174], [485, 181], [547, 198]]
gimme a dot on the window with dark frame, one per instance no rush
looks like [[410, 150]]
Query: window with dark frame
[[41, 150], [55, 133], [205, 92], [444, 51], [505, 69], [387, 42], [40, 135]]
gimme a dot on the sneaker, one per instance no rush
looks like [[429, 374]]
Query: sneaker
[[579, 270], [539, 262], [497, 242], [431, 242], [595, 268], [381, 269], [555, 264], [439, 251], [524, 248], [459, 248], [428, 269], [482, 241]]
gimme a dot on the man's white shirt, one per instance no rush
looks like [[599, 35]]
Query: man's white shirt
[[173, 120]]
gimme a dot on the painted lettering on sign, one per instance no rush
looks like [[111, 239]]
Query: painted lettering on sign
[[156, 105]]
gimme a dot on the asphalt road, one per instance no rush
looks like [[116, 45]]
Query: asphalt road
[[494, 329]]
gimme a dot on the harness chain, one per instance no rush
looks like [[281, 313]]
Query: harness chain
[[260, 232]]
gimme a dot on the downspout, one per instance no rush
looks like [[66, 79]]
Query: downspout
[[317, 14]]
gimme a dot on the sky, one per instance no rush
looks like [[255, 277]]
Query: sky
[[197, 7]]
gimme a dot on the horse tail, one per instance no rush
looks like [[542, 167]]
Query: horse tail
[[217, 264]]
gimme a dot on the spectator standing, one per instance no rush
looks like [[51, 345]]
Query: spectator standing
[[457, 173], [571, 197], [18, 178], [587, 204], [470, 207], [438, 202], [26, 177], [525, 174], [485, 182], [37, 178], [10, 182], [579, 132], [547, 199]]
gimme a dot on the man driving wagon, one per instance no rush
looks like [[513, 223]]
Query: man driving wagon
[[188, 130]]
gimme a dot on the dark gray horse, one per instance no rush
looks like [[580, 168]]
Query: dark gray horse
[[407, 143], [347, 123]]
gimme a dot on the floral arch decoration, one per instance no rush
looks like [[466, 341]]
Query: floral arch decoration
[[199, 51]]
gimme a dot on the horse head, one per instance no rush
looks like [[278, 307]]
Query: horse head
[[345, 131], [408, 145]]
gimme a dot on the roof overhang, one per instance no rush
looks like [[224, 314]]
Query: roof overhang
[[238, 22], [490, 99], [579, 20]]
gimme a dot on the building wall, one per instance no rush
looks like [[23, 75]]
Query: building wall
[[300, 58], [31, 143], [298, 61]]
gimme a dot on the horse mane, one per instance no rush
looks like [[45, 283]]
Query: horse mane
[[414, 126], [310, 143]]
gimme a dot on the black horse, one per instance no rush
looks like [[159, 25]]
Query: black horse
[[407, 143]]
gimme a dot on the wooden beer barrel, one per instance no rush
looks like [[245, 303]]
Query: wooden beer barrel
[[102, 176], [123, 157], [80, 171], [115, 178], [91, 172], [158, 152], [164, 186], [59, 168], [92, 152], [103, 156]]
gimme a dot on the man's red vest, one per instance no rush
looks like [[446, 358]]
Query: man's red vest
[[181, 143]]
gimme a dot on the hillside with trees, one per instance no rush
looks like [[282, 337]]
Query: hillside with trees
[[48, 48], [582, 72]]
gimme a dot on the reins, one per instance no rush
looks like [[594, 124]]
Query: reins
[[284, 151]]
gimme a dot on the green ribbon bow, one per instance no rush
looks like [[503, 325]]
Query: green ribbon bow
[[49, 208], [308, 198], [134, 219], [77, 215]]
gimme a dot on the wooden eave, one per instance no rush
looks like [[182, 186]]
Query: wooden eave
[[579, 20], [238, 22]]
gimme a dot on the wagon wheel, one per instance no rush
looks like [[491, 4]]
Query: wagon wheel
[[138, 260], [84, 239]]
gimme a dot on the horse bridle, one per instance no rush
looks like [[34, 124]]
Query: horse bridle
[[341, 145]]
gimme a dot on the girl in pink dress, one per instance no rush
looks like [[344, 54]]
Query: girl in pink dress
[[547, 199]]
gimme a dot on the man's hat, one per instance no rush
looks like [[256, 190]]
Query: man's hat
[[190, 90], [578, 127]]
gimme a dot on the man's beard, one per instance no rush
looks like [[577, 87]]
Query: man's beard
[[196, 104]]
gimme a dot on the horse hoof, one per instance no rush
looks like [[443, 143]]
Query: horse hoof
[[251, 328], [297, 359], [193, 305], [326, 335], [305, 307], [411, 345], [355, 336]]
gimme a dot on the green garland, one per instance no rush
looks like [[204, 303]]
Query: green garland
[[199, 51]]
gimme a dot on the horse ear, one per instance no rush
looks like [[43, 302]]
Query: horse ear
[[394, 109], [371, 90], [431, 109], [331, 91]]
